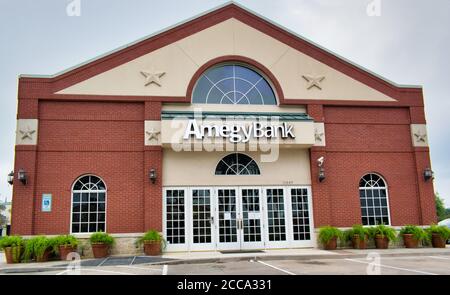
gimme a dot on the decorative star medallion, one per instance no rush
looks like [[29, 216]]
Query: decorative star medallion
[[318, 135], [314, 81], [153, 77], [420, 137], [152, 134], [28, 133]]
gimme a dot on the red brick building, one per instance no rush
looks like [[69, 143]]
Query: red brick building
[[153, 135]]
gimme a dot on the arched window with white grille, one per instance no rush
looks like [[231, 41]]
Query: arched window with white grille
[[88, 205], [373, 195], [237, 164]]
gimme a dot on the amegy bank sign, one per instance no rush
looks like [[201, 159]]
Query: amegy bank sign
[[238, 132], [204, 132]]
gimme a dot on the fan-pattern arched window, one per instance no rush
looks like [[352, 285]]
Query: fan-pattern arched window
[[374, 200], [233, 84], [88, 205], [237, 164]]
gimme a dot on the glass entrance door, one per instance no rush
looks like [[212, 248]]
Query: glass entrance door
[[251, 218], [239, 218]]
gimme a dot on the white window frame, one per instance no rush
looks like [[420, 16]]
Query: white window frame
[[385, 187], [72, 191]]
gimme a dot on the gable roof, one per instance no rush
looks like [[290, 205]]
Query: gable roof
[[45, 85]]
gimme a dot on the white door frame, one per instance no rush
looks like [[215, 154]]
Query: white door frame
[[240, 244]]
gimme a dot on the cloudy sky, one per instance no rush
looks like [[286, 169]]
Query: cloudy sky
[[407, 43]]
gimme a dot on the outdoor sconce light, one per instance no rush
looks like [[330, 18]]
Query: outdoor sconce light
[[428, 174], [320, 162], [22, 176], [10, 178], [153, 175], [321, 174]]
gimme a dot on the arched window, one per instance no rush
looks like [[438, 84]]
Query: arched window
[[88, 205], [237, 164], [374, 200], [233, 84]]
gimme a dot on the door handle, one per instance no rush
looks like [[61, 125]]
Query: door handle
[[211, 220]]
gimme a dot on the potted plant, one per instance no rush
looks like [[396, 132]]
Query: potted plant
[[13, 246], [438, 234], [328, 236], [412, 235], [153, 242], [64, 245], [382, 235], [39, 248], [359, 236], [101, 243]]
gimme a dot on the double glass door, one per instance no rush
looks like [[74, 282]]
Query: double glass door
[[237, 218]]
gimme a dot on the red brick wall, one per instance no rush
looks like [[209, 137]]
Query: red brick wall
[[76, 138], [361, 140]]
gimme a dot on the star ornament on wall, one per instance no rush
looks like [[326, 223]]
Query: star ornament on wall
[[152, 77], [27, 133], [420, 137], [318, 135], [314, 81], [152, 134]]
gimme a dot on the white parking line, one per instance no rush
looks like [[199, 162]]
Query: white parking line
[[393, 267], [439, 257], [95, 269], [137, 267], [132, 261], [165, 269], [101, 263], [277, 268]]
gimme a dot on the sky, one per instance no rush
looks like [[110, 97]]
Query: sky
[[406, 41]]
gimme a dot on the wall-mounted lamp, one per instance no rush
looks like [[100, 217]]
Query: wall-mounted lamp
[[321, 174], [428, 174], [153, 175], [10, 178], [22, 176], [320, 162]]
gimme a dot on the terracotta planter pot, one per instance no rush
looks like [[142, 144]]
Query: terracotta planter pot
[[152, 248], [331, 245], [100, 250], [437, 241], [410, 241], [45, 256], [11, 254], [357, 243], [66, 250], [381, 243]]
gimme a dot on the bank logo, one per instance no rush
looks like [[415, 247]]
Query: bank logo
[[238, 133]]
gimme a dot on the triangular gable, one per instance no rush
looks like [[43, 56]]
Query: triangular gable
[[179, 52]]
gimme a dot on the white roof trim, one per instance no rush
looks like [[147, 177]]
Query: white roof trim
[[209, 11]]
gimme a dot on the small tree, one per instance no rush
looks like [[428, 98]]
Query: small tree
[[440, 208], [3, 218]]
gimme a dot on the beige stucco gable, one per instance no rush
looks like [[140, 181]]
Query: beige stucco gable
[[180, 60]]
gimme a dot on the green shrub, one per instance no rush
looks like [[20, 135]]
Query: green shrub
[[11, 241], [36, 247], [441, 230], [418, 233], [64, 240], [327, 233], [101, 238], [151, 236], [16, 244], [383, 231], [357, 229]]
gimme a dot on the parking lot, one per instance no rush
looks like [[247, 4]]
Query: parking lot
[[372, 264]]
